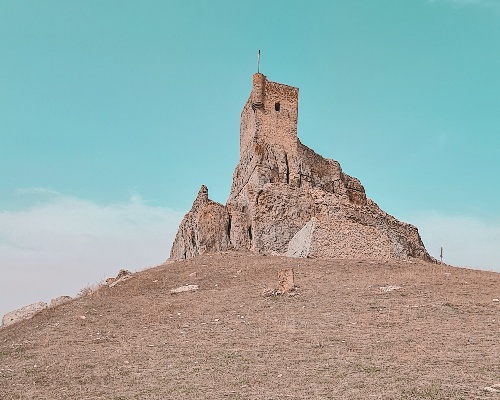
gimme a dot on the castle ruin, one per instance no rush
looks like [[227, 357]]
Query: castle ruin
[[286, 199]]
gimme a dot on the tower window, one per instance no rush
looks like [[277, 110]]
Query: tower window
[[277, 106]]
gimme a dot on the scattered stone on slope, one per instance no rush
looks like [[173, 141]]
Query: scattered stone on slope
[[185, 288], [286, 283], [59, 300], [389, 288], [122, 273], [23, 313], [122, 276], [493, 389], [286, 279], [122, 279]]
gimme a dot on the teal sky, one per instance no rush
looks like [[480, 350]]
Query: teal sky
[[124, 108]]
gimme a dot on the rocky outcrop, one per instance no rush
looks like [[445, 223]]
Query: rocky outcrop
[[287, 199], [23, 313], [204, 229], [123, 275], [59, 300], [30, 310]]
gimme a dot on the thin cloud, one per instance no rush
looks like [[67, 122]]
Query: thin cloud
[[466, 241], [63, 243], [493, 5], [465, 2], [459, 3]]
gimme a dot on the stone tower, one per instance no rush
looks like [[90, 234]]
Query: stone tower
[[270, 115], [286, 199]]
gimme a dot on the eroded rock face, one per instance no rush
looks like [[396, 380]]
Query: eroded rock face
[[205, 228], [287, 199]]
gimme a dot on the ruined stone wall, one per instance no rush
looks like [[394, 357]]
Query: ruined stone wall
[[316, 171], [287, 199], [326, 174]]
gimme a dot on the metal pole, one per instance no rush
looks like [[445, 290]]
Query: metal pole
[[258, 62]]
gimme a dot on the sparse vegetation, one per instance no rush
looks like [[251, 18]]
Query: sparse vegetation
[[432, 392], [89, 290], [369, 369], [339, 337]]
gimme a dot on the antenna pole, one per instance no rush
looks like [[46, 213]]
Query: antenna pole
[[258, 62], [441, 255]]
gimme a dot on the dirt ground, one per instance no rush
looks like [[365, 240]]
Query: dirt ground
[[353, 330]]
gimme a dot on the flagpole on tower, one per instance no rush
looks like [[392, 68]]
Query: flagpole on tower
[[258, 62]]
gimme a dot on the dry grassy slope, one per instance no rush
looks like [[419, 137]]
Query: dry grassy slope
[[438, 337]]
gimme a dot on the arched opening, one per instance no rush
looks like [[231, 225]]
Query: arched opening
[[277, 106]]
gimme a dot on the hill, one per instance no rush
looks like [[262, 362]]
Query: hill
[[355, 329]]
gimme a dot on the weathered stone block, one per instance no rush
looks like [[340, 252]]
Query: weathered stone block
[[286, 280]]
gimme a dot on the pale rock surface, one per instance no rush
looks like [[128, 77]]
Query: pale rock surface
[[287, 199], [389, 288], [300, 244], [59, 300], [493, 389], [123, 278], [185, 288], [23, 313], [123, 275]]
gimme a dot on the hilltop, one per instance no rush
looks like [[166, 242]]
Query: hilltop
[[355, 329], [372, 314]]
